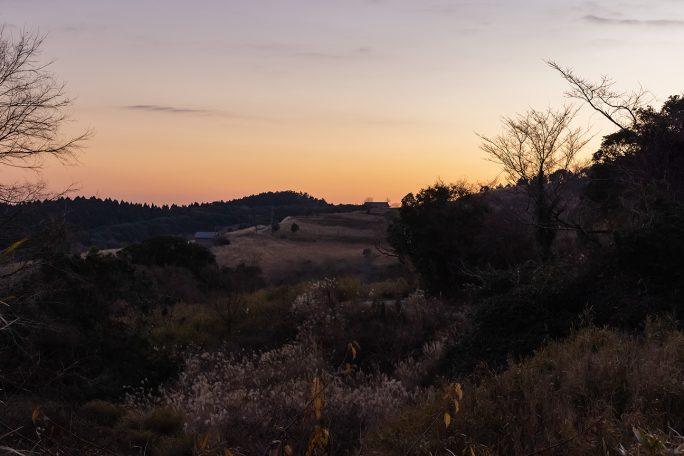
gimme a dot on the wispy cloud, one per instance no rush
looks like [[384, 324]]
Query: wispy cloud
[[84, 28], [169, 109], [199, 112], [650, 22]]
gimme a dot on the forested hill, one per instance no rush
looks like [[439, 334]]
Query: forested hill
[[111, 223]]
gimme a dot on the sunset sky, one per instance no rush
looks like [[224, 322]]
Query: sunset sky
[[345, 99]]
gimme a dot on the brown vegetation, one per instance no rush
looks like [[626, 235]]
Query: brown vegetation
[[598, 392], [328, 244]]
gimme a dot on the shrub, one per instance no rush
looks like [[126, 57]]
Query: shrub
[[387, 331], [170, 251], [102, 412], [250, 400], [248, 397], [158, 430], [85, 313], [583, 395], [163, 421], [222, 240], [348, 288], [390, 289], [654, 253]]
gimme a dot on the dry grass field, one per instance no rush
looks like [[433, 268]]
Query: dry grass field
[[324, 244]]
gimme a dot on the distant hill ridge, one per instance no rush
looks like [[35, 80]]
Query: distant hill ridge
[[111, 223]]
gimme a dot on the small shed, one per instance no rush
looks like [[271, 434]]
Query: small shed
[[376, 206], [206, 237]]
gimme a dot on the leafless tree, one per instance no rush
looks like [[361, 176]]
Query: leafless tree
[[540, 149], [620, 108], [33, 110]]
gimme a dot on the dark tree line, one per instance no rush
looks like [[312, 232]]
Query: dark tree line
[[111, 223]]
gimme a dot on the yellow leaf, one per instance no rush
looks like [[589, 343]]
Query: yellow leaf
[[458, 391], [317, 396], [472, 451], [319, 440], [203, 441], [227, 452], [288, 450], [318, 406], [457, 405], [317, 388], [447, 419], [354, 347], [14, 246]]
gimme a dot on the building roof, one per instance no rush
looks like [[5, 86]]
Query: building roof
[[379, 204], [206, 235]]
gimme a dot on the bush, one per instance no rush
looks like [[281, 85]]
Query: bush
[[85, 313], [240, 321], [163, 421], [159, 430], [654, 253], [387, 331], [583, 395], [102, 412], [170, 251], [249, 396], [250, 400], [222, 240]]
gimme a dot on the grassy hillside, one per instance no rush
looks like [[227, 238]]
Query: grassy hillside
[[325, 244]]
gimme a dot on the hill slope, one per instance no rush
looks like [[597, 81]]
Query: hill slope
[[325, 244]]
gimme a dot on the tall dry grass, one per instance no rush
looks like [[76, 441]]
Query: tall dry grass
[[598, 392]]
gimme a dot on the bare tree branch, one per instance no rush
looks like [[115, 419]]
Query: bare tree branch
[[536, 143], [620, 108], [541, 150], [33, 110]]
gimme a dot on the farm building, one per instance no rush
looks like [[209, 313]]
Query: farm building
[[206, 237], [376, 206]]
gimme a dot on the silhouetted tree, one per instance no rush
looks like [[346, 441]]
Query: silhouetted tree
[[169, 251], [438, 230], [539, 149], [32, 111]]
